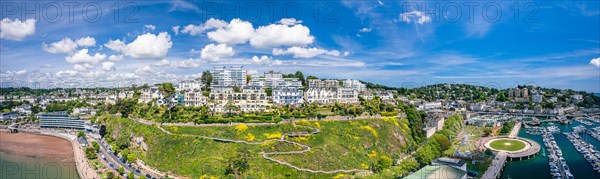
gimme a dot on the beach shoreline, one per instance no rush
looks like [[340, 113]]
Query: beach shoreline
[[36, 146]]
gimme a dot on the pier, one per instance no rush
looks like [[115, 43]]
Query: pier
[[495, 169], [587, 150]]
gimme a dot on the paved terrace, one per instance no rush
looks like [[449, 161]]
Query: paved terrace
[[495, 169], [531, 149]]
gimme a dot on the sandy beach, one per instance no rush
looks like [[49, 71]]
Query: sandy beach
[[37, 146]]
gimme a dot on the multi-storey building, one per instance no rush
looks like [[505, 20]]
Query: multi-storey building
[[518, 93], [319, 95], [148, 94], [288, 95], [346, 95], [355, 84], [248, 99], [537, 98], [285, 90], [189, 85], [60, 120], [316, 83], [194, 98], [235, 76]]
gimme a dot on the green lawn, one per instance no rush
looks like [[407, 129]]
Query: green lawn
[[507, 144]]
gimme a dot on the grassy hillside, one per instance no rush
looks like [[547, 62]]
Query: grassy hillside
[[339, 145]]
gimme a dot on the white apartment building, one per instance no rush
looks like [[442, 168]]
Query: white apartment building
[[194, 98], [319, 95], [250, 99], [287, 95], [355, 84], [537, 98], [273, 80], [346, 95], [148, 94], [234, 76], [189, 85], [316, 83], [285, 90], [576, 98]]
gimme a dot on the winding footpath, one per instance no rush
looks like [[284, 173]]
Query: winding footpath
[[267, 155]]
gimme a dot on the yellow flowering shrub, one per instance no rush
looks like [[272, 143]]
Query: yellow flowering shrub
[[369, 128], [373, 154], [272, 136], [241, 128], [250, 137]]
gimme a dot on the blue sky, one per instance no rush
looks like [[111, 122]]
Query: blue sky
[[396, 43]]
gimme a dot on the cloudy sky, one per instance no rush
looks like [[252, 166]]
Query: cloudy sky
[[395, 43]]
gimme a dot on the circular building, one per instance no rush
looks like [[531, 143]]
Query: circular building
[[516, 148]]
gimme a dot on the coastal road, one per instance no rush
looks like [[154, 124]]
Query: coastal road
[[112, 158]]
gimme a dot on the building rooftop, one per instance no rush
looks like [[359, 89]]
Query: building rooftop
[[435, 172], [450, 161]]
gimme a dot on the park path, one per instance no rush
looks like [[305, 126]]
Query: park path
[[267, 155]]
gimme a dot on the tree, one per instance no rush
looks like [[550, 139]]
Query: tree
[[443, 141], [96, 146], [206, 78], [110, 175], [102, 131], [487, 132], [80, 134], [167, 88], [130, 175], [239, 164], [90, 153], [248, 78], [300, 76], [121, 170], [131, 157], [383, 162]]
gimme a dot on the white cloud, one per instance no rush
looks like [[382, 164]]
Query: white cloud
[[275, 35], [265, 60], [16, 29], [144, 46], [66, 73], [595, 62], [116, 45], [199, 29], [162, 63], [380, 2], [346, 53], [213, 53], [289, 21], [83, 57], [65, 45], [115, 58], [84, 67], [300, 52], [20, 72], [86, 41], [149, 27], [190, 63], [365, 30], [143, 70], [417, 16], [108, 66], [175, 29], [236, 32]]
